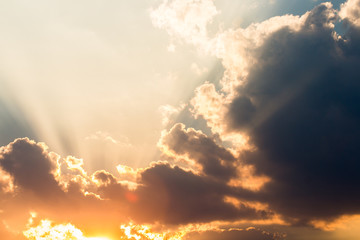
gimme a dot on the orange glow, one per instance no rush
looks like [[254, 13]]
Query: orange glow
[[345, 222], [6, 182], [143, 232], [47, 231], [131, 197], [248, 179]]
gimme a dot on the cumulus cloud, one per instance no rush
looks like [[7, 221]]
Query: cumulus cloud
[[209, 104], [215, 160], [171, 195], [350, 11], [184, 197], [169, 112], [291, 88], [299, 107], [60, 189], [31, 167], [49, 185]]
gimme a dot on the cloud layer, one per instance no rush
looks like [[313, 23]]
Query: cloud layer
[[299, 106], [283, 145]]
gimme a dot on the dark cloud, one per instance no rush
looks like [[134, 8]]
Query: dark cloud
[[59, 196], [171, 195], [164, 194], [301, 108], [215, 160], [104, 177], [248, 234], [31, 167], [177, 196]]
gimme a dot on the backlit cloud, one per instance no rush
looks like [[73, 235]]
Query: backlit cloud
[[290, 86], [270, 146]]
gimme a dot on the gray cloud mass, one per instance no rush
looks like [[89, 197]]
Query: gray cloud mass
[[300, 107]]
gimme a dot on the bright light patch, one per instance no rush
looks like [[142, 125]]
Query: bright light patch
[[144, 232], [47, 231]]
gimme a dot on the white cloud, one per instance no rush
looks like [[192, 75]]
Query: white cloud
[[168, 112], [105, 137], [185, 19], [350, 11]]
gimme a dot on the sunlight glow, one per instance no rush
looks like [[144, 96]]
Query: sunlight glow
[[47, 231], [143, 232]]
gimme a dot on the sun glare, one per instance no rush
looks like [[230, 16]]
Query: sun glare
[[144, 232], [47, 231]]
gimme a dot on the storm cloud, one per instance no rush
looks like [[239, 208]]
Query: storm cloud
[[175, 196], [215, 160], [300, 107]]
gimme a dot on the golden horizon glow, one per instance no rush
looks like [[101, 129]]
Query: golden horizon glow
[[140, 232], [46, 230]]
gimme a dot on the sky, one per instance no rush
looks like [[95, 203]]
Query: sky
[[179, 120]]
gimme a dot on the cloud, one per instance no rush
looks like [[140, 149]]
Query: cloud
[[350, 12], [290, 95], [60, 189], [171, 195], [123, 141], [169, 112], [31, 167], [291, 89], [300, 108], [183, 197], [215, 160], [246, 234], [185, 19], [209, 104], [47, 230], [52, 231], [6, 182], [199, 232], [62, 231], [51, 186]]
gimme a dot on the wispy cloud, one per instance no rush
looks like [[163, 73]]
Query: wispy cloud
[[105, 137]]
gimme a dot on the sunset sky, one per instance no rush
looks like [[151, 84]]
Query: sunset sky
[[180, 120]]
